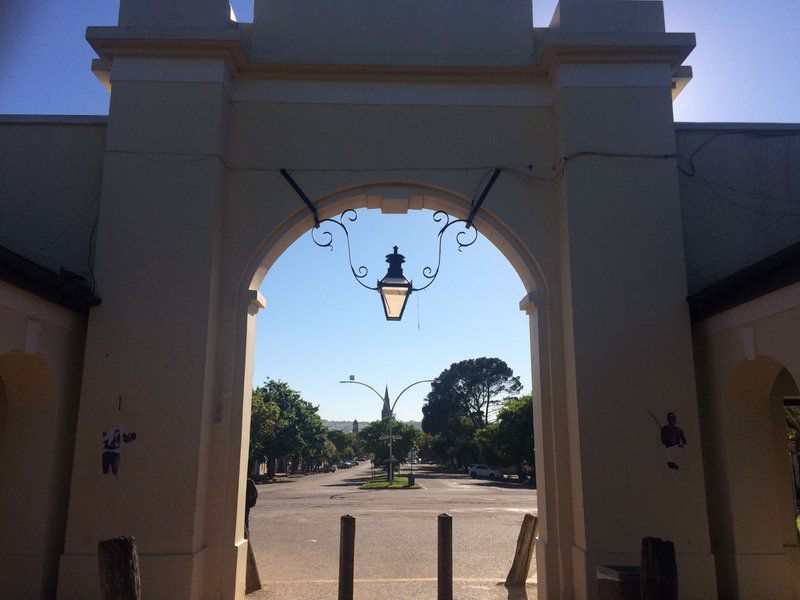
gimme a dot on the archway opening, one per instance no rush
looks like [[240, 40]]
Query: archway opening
[[753, 522], [3, 417], [32, 539], [785, 407], [436, 332]]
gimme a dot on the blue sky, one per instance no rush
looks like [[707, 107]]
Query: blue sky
[[319, 325]]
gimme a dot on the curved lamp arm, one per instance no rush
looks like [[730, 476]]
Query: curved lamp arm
[[365, 385], [404, 391]]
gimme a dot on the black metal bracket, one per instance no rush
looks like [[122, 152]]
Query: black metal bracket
[[302, 195], [477, 206], [360, 273]]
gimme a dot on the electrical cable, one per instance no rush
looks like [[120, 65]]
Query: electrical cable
[[555, 171], [685, 165]]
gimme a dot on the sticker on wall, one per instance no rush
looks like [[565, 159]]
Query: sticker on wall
[[673, 439], [113, 438]]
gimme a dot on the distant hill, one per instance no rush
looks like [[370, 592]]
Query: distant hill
[[347, 426]]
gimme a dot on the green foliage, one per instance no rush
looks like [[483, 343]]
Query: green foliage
[[381, 483], [793, 421], [509, 440], [347, 445], [425, 447], [282, 424], [460, 404], [265, 420], [469, 388], [371, 434]]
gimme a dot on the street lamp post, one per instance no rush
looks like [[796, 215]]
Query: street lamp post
[[390, 409]]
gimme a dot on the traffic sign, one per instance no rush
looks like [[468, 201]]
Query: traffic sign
[[371, 456], [394, 437]]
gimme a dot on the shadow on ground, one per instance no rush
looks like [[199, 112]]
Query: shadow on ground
[[438, 473]]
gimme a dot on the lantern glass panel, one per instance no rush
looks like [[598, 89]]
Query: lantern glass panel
[[394, 293]]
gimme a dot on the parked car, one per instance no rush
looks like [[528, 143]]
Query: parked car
[[476, 471]]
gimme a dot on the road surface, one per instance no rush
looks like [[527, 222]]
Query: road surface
[[295, 535]]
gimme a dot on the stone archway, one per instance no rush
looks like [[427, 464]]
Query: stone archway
[[752, 515], [396, 197], [201, 124]]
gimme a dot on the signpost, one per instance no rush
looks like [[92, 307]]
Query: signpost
[[389, 408]]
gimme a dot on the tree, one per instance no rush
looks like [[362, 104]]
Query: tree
[[265, 422], [509, 440], [468, 388], [461, 403], [283, 425], [371, 434], [348, 445]]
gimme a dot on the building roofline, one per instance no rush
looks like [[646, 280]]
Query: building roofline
[[65, 289], [768, 275], [732, 127], [56, 119]]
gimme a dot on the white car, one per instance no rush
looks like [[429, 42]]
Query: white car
[[476, 471]]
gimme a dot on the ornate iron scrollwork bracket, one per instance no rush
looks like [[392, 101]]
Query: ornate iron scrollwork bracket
[[325, 239]]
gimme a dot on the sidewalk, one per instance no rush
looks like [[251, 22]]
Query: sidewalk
[[385, 589]]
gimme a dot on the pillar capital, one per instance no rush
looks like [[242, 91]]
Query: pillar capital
[[252, 299], [175, 13], [609, 16], [533, 301]]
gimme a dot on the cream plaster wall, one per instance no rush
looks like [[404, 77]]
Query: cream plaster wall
[[395, 32], [41, 355], [740, 355], [194, 212]]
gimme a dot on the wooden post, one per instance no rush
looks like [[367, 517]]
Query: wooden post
[[526, 543], [119, 569], [252, 578], [347, 541], [659, 573], [445, 562]]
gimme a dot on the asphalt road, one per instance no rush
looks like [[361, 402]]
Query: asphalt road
[[295, 535]]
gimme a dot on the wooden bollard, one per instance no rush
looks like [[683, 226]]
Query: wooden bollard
[[659, 572], [526, 543], [445, 558], [119, 569], [347, 542], [252, 580]]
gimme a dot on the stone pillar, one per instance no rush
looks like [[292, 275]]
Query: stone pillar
[[174, 13], [627, 343], [151, 345], [553, 494]]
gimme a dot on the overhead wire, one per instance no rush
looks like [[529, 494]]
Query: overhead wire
[[685, 165], [689, 169]]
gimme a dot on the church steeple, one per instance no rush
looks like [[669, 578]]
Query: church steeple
[[386, 411]]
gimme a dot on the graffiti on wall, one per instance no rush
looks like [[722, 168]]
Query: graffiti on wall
[[673, 439], [113, 438]]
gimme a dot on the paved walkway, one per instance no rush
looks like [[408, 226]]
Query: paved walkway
[[295, 535]]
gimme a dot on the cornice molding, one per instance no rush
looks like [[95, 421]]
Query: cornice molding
[[554, 49]]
